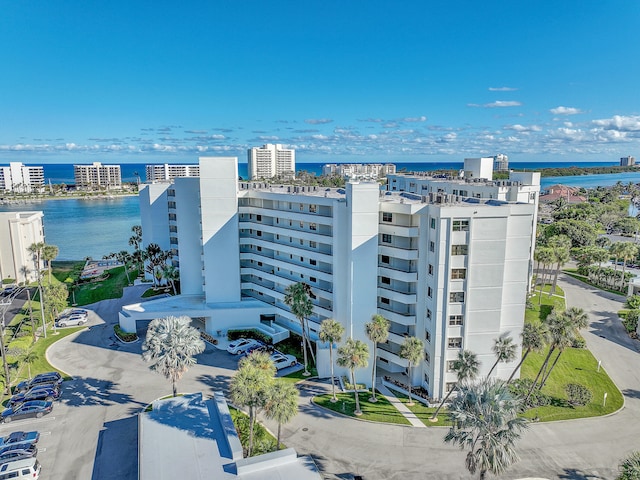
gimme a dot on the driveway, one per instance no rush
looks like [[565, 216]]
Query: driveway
[[94, 434]]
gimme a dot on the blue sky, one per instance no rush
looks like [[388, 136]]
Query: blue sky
[[142, 81]]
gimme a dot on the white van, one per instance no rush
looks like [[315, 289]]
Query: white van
[[20, 469]]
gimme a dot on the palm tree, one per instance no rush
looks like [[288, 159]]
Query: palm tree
[[534, 338], [543, 256], [249, 388], [353, 354], [170, 346], [36, 251], [628, 251], [630, 467], [560, 248], [578, 320], [377, 331], [30, 358], [485, 420], [49, 254], [282, 404], [505, 351], [297, 298], [171, 273], [466, 367], [259, 360], [412, 350], [331, 331]]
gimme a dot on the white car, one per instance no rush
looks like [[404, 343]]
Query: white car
[[72, 320], [281, 360], [241, 345]]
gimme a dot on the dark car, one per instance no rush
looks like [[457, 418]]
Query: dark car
[[46, 392], [41, 379], [15, 438], [35, 408]]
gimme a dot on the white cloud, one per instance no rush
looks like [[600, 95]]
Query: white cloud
[[317, 121], [415, 119], [502, 89], [619, 122], [566, 111], [497, 104], [523, 128]]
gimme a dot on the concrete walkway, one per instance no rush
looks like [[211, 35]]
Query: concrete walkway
[[400, 406]]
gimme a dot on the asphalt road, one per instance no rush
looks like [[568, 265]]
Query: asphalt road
[[93, 430]]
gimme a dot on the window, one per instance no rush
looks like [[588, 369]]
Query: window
[[459, 249], [450, 386], [455, 342], [259, 263], [386, 238], [301, 224], [433, 223], [312, 208], [456, 297], [430, 269], [427, 336], [313, 279], [301, 242], [259, 218], [172, 216], [455, 320], [259, 233], [384, 259], [301, 207], [384, 300], [312, 226], [461, 225], [259, 249], [429, 292], [426, 379], [428, 313], [387, 217], [458, 273], [313, 244], [427, 357], [451, 365], [432, 247], [385, 280], [313, 261]]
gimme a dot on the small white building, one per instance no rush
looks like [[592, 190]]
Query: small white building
[[18, 231], [97, 175], [167, 172], [269, 161], [20, 178], [359, 171]]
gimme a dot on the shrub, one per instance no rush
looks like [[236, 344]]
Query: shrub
[[124, 336], [578, 342], [519, 389], [631, 320], [577, 394], [250, 333], [633, 303]]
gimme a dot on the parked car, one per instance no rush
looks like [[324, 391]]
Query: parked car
[[45, 392], [281, 360], [16, 438], [72, 320], [256, 348], [42, 378], [21, 469], [28, 449], [241, 345], [35, 408]]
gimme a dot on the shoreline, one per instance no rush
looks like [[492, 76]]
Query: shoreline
[[39, 198]]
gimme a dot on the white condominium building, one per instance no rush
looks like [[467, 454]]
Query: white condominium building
[[20, 178], [359, 171], [501, 163], [627, 161], [18, 231], [166, 172], [97, 175], [448, 269], [270, 160]]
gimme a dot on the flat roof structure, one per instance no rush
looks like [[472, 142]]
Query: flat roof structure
[[193, 437]]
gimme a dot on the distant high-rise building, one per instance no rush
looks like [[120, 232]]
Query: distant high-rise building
[[270, 160], [97, 175], [20, 178], [359, 171], [627, 161], [18, 231], [166, 172], [500, 163]]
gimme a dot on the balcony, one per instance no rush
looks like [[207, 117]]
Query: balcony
[[403, 318], [402, 231], [392, 294], [394, 274], [397, 252]]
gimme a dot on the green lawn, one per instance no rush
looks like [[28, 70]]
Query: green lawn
[[298, 376], [111, 287], [381, 411], [424, 413], [263, 441]]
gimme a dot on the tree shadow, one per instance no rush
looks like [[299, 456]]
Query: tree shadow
[[92, 391], [322, 461], [117, 452], [631, 393], [577, 474], [217, 383], [608, 325]]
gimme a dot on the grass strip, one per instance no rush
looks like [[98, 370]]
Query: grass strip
[[382, 411]]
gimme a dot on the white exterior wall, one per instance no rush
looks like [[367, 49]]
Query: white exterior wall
[[478, 168], [18, 231], [154, 214], [189, 235], [17, 177], [270, 160], [219, 212]]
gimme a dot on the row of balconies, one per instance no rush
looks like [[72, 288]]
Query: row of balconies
[[278, 238]]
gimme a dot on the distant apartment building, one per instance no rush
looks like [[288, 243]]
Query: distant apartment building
[[500, 163], [18, 231], [167, 172], [627, 161], [452, 269], [97, 175], [20, 178], [269, 161], [359, 171]]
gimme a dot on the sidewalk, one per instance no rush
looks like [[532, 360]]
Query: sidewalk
[[401, 407]]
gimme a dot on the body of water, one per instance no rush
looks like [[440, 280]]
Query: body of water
[[96, 227], [85, 228]]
